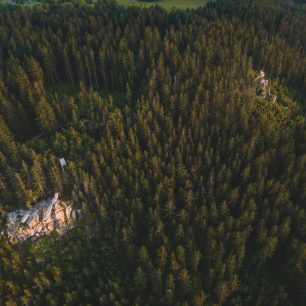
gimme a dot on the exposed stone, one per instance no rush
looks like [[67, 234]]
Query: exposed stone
[[43, 218], [263, 89]]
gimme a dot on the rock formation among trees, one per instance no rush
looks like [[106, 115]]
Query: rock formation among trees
[[43, 218], [263, 89]]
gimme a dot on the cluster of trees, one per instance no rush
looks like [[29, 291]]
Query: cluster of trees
[[193, 191]]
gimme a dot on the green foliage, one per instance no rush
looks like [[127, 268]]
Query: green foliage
[[192, 187]]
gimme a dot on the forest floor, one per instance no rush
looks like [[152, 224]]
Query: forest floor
[[41, 140], [68, 89]]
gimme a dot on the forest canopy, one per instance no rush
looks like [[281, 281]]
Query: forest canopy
[[191, 185]]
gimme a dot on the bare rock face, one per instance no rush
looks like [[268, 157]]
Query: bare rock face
[[263, 88], [43, 218]]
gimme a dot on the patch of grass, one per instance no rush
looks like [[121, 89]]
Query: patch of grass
[[68, 89], [119, 98], [13, 3], [301, 6], [166, 4], [64, 89], [82, 142]]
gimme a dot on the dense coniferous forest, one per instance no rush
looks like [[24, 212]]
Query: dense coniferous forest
[[192, 187]]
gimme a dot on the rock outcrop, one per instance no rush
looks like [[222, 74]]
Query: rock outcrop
[[263, 88], [43, 218]]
